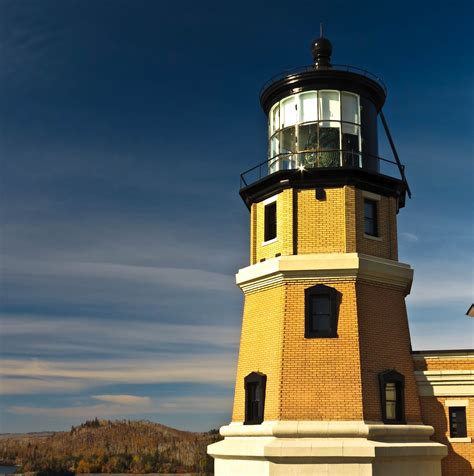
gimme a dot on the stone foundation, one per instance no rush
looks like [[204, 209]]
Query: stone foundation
[[326, 448]]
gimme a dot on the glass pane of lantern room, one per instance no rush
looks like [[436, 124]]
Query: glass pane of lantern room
[[350, 129], [308, 107], [329, 135], [273, 152], [287, 148], [275, 118], [329, 107], [350, 112], [288, 112]]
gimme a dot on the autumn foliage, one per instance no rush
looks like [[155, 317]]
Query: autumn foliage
[[110, 447]]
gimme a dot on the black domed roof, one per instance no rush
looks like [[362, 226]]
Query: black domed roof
[[321, 49]]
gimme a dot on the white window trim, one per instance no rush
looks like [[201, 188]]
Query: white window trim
[[266, 202], [272, 199], [371, 196], [468, 439], [375, 238], [456, 403], [376, 198]]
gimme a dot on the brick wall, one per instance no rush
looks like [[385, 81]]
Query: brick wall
[[261, 348], [460, 459], [384, 246], [326, 378], [332, 225], [320, 376], [284, 242], [434, 409], [385, 345], [321, 223], [443, 363]]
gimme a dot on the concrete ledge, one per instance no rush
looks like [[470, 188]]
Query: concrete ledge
[[329, 429], [324, 265]]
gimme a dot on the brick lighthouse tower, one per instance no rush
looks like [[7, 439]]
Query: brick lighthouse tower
[[325, 381]]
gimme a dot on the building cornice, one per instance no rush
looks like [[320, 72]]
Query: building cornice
[[448, 354], [327, 266], [445, 383]]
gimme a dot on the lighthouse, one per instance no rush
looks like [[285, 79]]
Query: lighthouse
[[325, 379]]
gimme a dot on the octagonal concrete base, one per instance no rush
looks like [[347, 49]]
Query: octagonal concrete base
[[316, 448]]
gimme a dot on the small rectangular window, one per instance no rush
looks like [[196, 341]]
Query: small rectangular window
[[392, 386], [270, 221], [370, 218], [254, 384], [457, 422]]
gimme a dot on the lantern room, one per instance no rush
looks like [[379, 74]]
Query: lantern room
[[315, 129], [323, 130]]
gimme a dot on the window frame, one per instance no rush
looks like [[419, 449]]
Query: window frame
[[266, 222], [375, 219], [321, 290], [260, 380], [463, 426], [392, 376]]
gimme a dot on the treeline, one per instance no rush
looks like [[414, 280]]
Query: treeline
[[111, 447]]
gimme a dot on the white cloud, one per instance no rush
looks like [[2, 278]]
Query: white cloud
[[28, 376], [88, 411], [409, 237], [120, 408], [179, 278], [123, 399], [34, 386], [99, 333]]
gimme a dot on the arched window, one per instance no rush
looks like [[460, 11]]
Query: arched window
[[392, 396], [255, 384], [321, 311]]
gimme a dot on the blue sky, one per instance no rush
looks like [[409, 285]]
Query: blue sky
[[124, 127]]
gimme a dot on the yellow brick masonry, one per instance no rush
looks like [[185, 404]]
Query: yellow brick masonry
[[387, 246], [460, 459], [333, 225], [384, 340], [332, 378], [284, 241], [261, 348], [321, 223], [321, 377], [325, 379]]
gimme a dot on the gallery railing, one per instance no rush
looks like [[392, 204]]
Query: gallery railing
[[311, 68], [320, 159]]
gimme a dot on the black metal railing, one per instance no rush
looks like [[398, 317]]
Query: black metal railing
[[322, 159], [337, 67]]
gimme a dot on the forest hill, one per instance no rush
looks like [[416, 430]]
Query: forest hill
[[110, 447]]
